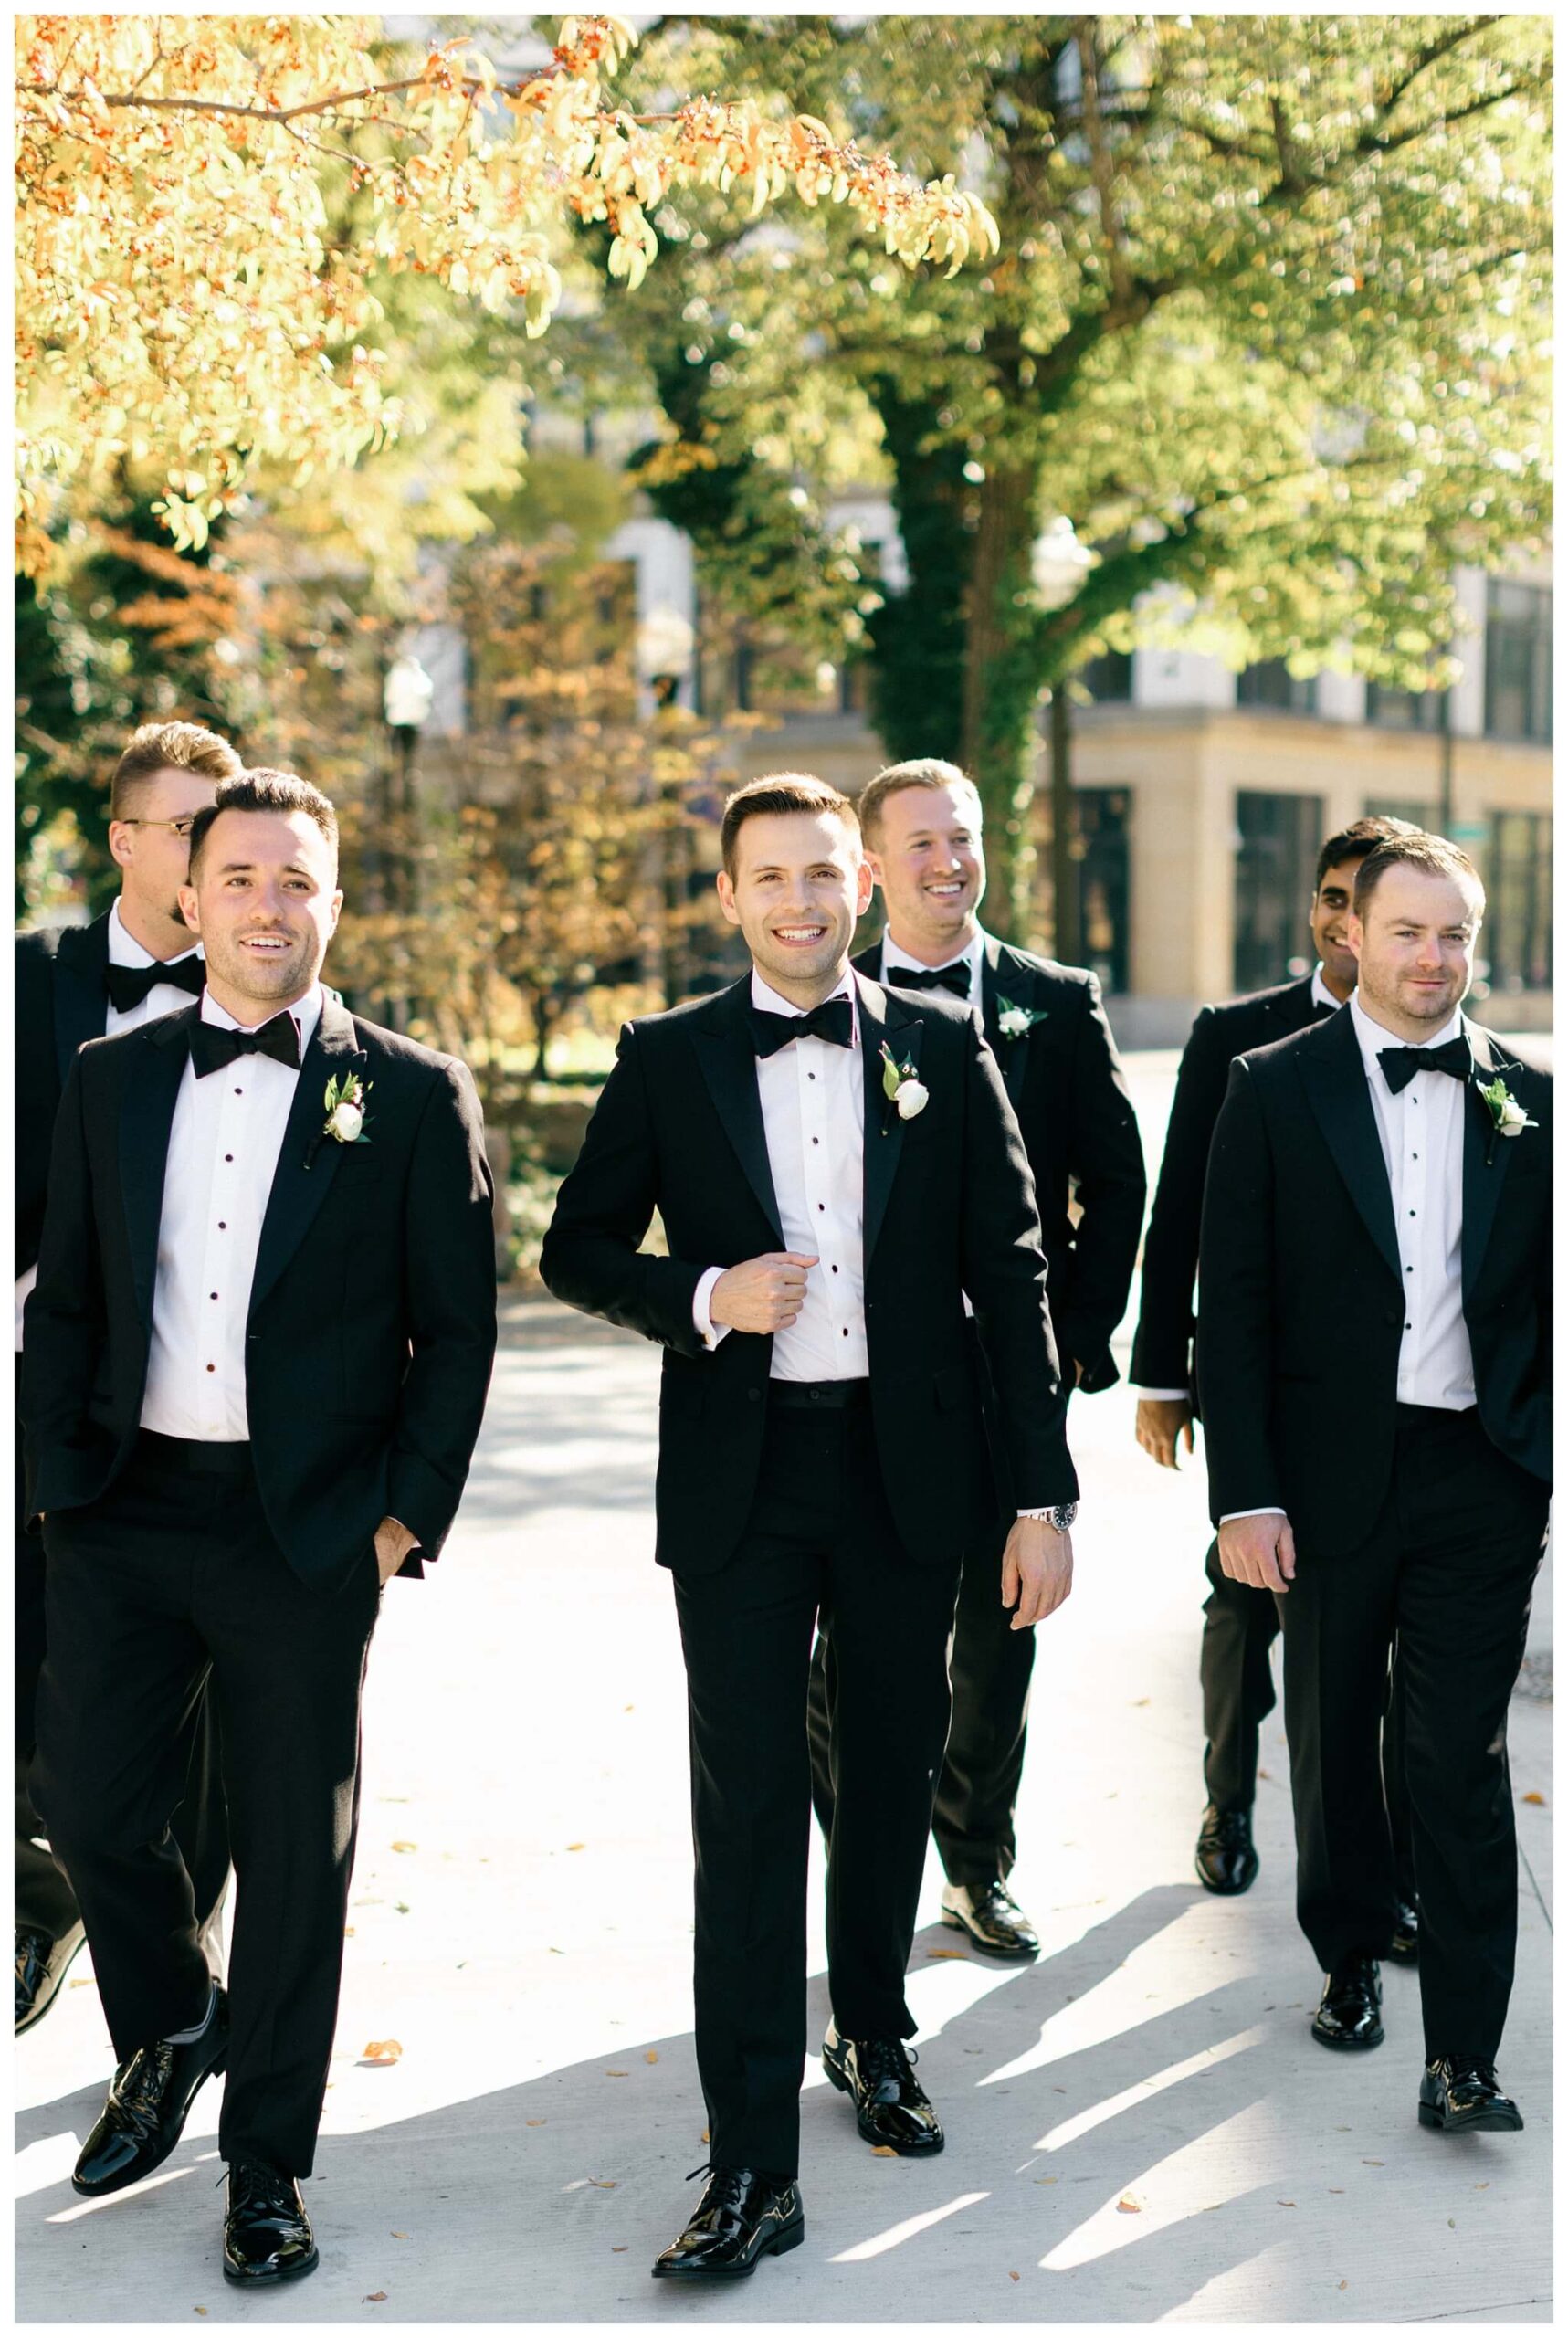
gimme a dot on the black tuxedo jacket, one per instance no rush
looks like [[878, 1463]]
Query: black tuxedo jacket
[[1065, 1082], [1301, 1301], [372, 1321], [1162, 1344], [60, 1004], [948, 1207]]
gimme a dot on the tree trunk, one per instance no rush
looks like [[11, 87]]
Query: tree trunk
[[1001, 687], [544, 1019], [1066, 944]]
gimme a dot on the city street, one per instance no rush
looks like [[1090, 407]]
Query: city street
[[1140, 2127]]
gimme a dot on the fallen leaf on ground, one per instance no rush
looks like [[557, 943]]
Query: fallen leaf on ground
[[1372, 2163], [535, 2122], [705, 2137], [960, 1953], [651, 2056], [1013, 2276], [628, 1708], [348, 1932], [1139, 1700], [1265, 1774], [576, 1847], [1450, 2224], [1128, 2207], [400, 1906], [617, 2074], [84, 1980], [1344, 2285], [405, 1847], [381, 2049], [1045, 2179], [1484, 2188], [603, 2183], [1339, 2188], [1538, 1799], [1284, 2203], [375, 2297], [400, 2235], [619, 2248], [883, 2151], [198, 2308]]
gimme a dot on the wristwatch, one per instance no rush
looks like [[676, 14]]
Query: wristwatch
[[1060, 1515]]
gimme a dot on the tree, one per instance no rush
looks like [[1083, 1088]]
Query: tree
[[207, 206], [1266, 333]]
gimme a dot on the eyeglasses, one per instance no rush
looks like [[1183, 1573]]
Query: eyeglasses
[[180, 825]]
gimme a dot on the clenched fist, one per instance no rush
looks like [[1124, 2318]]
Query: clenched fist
[[762, 1294]]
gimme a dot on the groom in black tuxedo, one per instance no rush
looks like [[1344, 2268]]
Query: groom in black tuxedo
[[1048, 1030], [77, 982], [1374, 1362], [1240, 1624], [257, 1358], [835, 1166]]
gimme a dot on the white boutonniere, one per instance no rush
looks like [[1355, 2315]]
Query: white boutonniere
[[1509, 1117], [345, 1104], [901, 1088], [1016, 1022]]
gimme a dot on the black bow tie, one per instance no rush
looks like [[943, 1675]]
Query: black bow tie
[[1400, 1065], [954, 978], [212, 1047], [832, 1021], [129, 985]]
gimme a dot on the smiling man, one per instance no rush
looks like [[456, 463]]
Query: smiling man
[[256, 1362], [1375, 1360], [836, 1166]]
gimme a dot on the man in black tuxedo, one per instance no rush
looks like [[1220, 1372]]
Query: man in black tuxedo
[[137, 961], [1374, 1362], [1045, 1026], [1239, 1623], [836, 1166], [256, 1359]]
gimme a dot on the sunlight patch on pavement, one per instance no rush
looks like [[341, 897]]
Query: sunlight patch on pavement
[[48, 2161], [131, 2191], [1161, 1975], [1215, 2169], [1071, 2129], [896, 2234]]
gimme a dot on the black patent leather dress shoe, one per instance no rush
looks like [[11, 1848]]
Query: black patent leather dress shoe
[[1350, 2013], [890, 2104], [267, 2235], [147, 2103], [1404, 1941], [991, 1916], [42, 1964], [1225, 1858], [1459, 2093], [742, 2216]]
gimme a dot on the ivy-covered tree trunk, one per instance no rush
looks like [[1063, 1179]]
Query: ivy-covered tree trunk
[[917, 636], [1001, 689]]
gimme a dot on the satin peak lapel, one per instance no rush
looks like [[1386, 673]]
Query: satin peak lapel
[[1335, 1081], [146, 1118], [881, 1020], [729, 1062], [1482, 1179], [297, 1191]]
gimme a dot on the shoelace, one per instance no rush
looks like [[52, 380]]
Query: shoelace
[[32, 1947], [253, 2187], [143, 2091], [886, 2058]]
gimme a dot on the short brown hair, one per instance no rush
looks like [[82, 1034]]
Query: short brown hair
[[778, 791], [168, 746], [923, 771], [1434, 854], [264, 791], [1360, 838]]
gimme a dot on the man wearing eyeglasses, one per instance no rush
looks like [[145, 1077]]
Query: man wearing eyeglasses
[[74, 984]]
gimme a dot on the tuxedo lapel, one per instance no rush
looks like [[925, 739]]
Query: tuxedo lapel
[[1004, 975], [298, 1189], [882, 1021], [1335, 1081], [81, 993], [728, 1061], [146, 1117], [1482, 1178]]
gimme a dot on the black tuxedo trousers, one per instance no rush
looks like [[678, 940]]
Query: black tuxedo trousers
[[820, 1542], [166, 1592], [1448, 1568]]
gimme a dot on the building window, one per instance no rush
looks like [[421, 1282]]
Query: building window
[[1108, 678], [1400, 807], [1101, 849], [1276, 856], [1516, 936], [1404, 710], [1273, 684], [1519, 661]]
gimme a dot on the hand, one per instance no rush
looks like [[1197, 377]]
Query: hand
[[1163, 1422], [1036, 1571], [1259, 1551], [762, 1294], [393, 1543]]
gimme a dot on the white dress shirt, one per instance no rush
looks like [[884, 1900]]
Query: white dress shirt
[[814, 1115], [223, 1143], [162, 999], [1321, 996], [1422, 1132], [973, 957]]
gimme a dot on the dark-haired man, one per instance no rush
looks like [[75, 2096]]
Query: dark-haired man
[[139, 960], [836, 1166], [1047, 1028], [255, 1365], [1374, 1359], [1239, 1623]]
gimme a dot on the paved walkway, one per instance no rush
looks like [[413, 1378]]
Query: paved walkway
[[1140, 2127]]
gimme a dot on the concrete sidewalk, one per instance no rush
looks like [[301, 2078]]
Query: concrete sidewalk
[[1140, 2126]]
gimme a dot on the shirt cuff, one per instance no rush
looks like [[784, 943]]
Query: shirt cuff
[[1165, 1395], [1269, 1509], [708, 1332]]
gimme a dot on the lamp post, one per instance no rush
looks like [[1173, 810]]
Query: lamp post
[[406, 697]]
